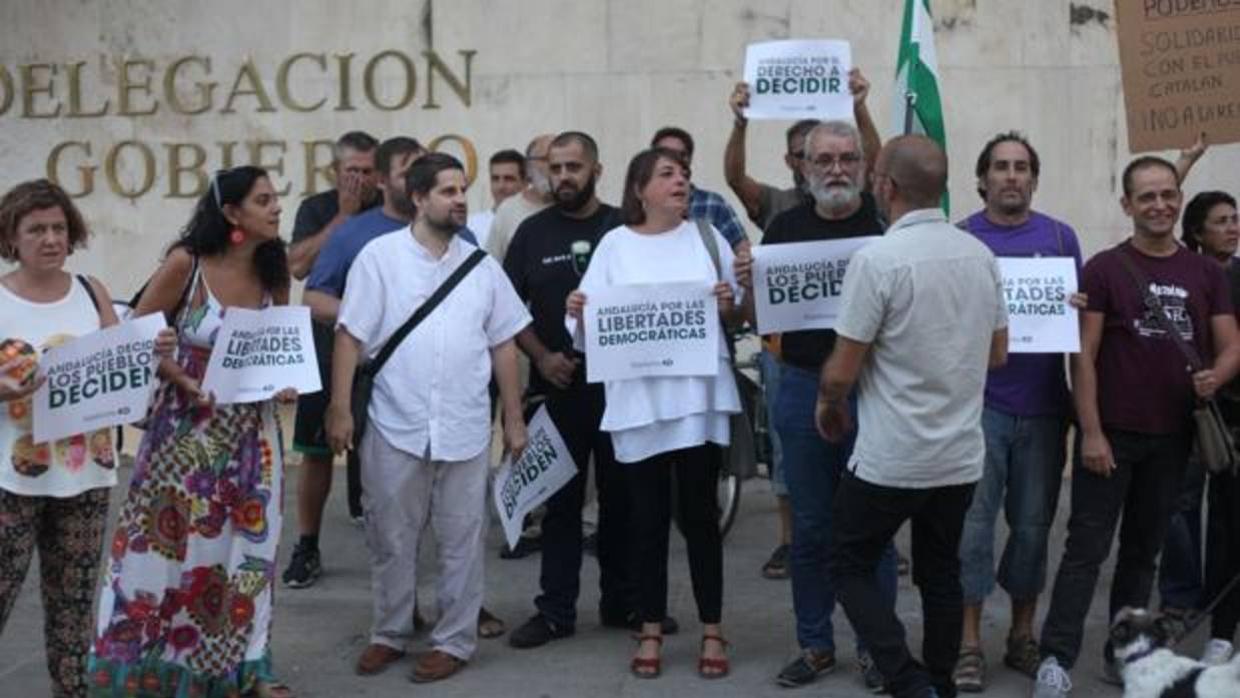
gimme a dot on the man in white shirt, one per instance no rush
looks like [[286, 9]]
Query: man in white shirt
[[506, 170], [925, 289], [536, 197], [424, 453]]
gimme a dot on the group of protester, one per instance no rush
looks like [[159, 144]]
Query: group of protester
[[910, 410]]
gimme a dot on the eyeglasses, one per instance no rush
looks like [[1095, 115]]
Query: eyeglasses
[[845, 161]]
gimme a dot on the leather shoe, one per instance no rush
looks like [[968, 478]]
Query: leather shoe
[[375, 658], [435, 666]]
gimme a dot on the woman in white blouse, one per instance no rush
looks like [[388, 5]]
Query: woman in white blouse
[[668, 427]]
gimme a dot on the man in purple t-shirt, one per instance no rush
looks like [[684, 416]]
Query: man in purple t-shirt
[[1025, 422], [1134, 398]]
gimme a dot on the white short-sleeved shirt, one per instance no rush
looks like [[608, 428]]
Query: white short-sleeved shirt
[[928, 298], [479, 223], [432, 393], [648, 416]]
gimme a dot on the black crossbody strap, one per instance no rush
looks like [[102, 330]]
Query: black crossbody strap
[[389, 347], [712, 249], [1155, 306]]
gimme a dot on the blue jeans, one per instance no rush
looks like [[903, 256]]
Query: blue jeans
[[813, 468], [769, 367], [1023, 471], [1179, 574]]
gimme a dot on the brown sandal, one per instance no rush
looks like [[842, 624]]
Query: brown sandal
[[711, 668], [647, 668]]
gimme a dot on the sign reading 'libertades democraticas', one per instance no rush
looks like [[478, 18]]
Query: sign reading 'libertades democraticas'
[[1040, 318], [261, 352], [543, 468], [797, 285], [96, 381], [642, 330], [799, 79]]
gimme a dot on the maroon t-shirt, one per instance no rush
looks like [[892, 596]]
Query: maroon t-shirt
[[1144, 384]]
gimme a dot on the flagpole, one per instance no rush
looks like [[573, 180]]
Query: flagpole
[[910, 99]]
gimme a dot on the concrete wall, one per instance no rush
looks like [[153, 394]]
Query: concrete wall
[[616, 68]]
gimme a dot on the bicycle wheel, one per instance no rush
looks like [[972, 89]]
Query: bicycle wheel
[[729, 493]]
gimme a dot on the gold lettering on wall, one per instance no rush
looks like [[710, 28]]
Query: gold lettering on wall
[[32, 88], [75, 93], [273, 167], [282, 88], [368, 80], [177, 167], [467, 149], [127, 84], [147, 176], [310, 152], [248, 73], [434, 65], [6, 84], [205, 90], [345, 60], [86, 172]]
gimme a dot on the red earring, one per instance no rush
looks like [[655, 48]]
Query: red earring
[[237, 236]]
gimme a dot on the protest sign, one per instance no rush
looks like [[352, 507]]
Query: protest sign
[[258, 353], [1040, 319], [97, 381], [652, 330], [799, 79], [1180, 63], [543, 468], [797, 285]]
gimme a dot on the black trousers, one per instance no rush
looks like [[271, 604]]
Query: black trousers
[[577, 413], [650, 485], [1223, 554], [1144, 486], [866, 517]]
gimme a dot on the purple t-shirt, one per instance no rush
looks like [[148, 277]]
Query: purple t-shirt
[[1028, 385], [1144, 385]]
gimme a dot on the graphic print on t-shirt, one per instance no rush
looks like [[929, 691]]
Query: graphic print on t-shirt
[[1174, 301]]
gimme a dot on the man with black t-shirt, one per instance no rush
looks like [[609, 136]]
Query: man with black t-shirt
[[835, 174], [547, 257]]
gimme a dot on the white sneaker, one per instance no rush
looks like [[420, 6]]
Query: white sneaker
[[1052, 681], [1217, 652]]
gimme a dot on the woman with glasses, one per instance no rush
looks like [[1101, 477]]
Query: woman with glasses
[[187, 607]]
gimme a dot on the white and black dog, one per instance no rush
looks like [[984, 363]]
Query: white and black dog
[[1151, 670]]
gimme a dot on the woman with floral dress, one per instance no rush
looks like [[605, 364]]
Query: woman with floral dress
[[186, 610]]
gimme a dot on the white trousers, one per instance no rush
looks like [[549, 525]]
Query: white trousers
[[400, 494]]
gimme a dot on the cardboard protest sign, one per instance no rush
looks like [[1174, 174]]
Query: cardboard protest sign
[[1040, 319], [652, 330], [799, 79], [258, 353], [543, 468], [98, 380], [1180, 62], [797, 285]]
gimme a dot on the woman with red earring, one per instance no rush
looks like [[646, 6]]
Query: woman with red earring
[[187, 608]]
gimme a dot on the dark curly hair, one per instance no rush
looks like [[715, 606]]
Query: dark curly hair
[[1193, 224], [641, 171], [207, 232], [37, 195]]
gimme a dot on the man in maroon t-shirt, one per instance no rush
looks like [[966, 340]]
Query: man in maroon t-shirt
[[1134, 396]]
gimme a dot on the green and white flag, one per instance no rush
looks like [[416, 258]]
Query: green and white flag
[[918, 104]]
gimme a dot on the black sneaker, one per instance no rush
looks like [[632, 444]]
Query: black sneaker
[[304, 568], [538, 631], [630, 621], [870, 675], [806, 668], [777, 566]]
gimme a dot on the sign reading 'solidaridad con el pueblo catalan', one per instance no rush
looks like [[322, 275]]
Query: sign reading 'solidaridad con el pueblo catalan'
[[1040, 318], [543, 468], [260, 352], [96, 381], [652, 330], [799, 79], [797, 285]]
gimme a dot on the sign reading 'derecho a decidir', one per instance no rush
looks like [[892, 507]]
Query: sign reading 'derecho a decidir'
[[799, 79], [1180, 62]]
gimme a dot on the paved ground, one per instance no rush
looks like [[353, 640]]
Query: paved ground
[[319, 631]]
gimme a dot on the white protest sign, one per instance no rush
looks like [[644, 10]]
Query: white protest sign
[[543, 468], [97, 381], [258, 353], [797, 285], [799, 79], [652, 330], [1040, 319]]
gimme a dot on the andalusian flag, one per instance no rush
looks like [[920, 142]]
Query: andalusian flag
[[918, 106]]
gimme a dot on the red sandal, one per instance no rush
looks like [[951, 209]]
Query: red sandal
[[644, 668], [709, 668]]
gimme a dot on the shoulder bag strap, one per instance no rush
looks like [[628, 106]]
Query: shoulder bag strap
[[712, 248], [90, 290], [1155, 306], [389, 347]]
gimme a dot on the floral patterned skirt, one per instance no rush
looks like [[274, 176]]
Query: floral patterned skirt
[[186, 610]]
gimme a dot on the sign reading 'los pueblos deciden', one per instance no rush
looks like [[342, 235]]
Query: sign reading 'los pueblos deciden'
[[797, 285]]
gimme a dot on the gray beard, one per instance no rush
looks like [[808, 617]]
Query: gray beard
[[540, 182], [834, 198]]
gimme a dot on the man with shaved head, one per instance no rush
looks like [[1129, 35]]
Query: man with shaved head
[[925, 289]]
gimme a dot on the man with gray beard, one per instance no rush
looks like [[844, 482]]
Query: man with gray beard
[[514, 209], [835, 174]]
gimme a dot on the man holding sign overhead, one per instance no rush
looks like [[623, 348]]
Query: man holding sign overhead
[[1025, 420], [835, 174]]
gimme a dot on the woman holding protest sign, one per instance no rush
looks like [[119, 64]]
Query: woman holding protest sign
[[53, 496], [187, 606], [674, 426]]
